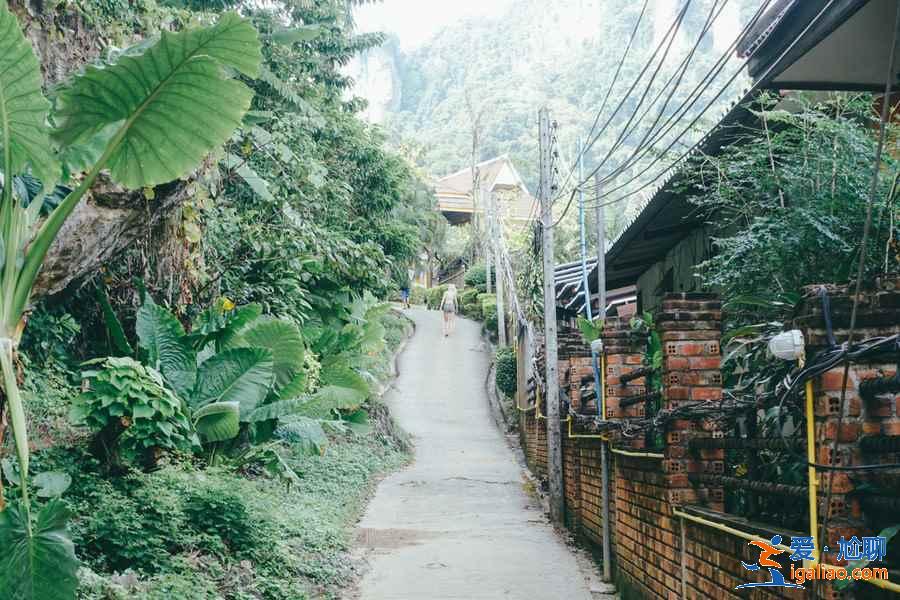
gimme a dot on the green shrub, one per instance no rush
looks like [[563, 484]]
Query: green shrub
[[489, 314], [468, 296], [127, 523], [434, 296], [469, 304], [49, 335], [418, 294], [506, 371], [130, 410], [476, 275], [221, 514]]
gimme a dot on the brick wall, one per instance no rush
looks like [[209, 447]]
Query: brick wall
[[857, 502], [647, 554]]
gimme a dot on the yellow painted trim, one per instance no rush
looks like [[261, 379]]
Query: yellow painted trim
[[591, 436], [811, 470], [735, 532], [636, 454], [882, 583]]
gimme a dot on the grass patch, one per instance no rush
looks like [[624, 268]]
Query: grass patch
[[187, 532]]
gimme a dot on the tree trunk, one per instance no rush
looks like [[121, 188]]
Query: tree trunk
[[109, 221]]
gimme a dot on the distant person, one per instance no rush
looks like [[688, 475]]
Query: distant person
[[404, 295], [448, 307]]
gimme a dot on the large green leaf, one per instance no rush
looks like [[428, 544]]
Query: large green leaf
[[339, 375], [342, 389], [295, 388], [279, 409], [161, 335], [51, 484], [241, 167], [218, 421], [24, 136], [305, 435], [282, 338], [113, 325], [40, 565], [216, 324], [241, 375], [175, 101]]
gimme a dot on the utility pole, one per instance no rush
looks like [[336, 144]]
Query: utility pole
[[604, 445], [554, 441], [601, 248], [497, 241]]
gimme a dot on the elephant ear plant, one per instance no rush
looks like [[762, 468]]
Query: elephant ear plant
[[148, 118]]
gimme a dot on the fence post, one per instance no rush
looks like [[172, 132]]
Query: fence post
[[690, 327]]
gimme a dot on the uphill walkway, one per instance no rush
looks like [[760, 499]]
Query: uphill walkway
[[458, 523]]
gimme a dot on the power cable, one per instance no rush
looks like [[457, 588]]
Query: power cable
[[696, 145], [678, 74], [612, 84], [637, 80], [704, 84]]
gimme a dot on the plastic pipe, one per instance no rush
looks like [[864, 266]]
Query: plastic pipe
[[811, 470], [735, 532], [636, 454], [882, 583]]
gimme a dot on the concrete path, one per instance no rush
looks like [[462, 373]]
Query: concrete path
[[458, 524]]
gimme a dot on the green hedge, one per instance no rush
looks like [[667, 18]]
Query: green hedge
[[489, 312], [476, 275], [469, 304], [506, 371], [434, 295], [418, 295]]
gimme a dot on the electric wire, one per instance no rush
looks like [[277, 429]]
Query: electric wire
[[690, 100], [676, 77], [637, 80], [696, 145], [679, 74]]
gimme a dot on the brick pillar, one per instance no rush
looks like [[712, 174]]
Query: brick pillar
[[690, 328], [865, 418], [624, 353]]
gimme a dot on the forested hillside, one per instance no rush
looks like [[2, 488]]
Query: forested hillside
[[496, 73]]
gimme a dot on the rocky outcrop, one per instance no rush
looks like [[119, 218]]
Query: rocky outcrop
[[110, 219], [107, 223]]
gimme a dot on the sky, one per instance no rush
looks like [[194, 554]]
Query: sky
[[415, 21]]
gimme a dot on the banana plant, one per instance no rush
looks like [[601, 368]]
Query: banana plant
[[147, 118]]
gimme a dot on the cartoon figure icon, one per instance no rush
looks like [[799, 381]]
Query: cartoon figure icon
[[766, 551]]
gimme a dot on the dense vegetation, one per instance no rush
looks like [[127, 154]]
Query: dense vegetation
[[491, 75], [198, 416]]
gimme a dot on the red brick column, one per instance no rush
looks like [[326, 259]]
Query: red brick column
[[690, 328], [865, 418], [624, 353]]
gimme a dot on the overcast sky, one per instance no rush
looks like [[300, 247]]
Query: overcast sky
[[415, 21]]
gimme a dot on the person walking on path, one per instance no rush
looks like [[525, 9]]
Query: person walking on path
[[448, 307], [404, 295]]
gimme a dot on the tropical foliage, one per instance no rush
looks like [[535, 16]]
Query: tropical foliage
[[238, 129], [791, 192]]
